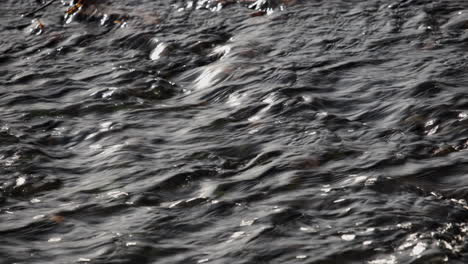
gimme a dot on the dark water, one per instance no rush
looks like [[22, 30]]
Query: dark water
[[322, 132]]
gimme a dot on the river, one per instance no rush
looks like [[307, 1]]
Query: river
[[177, 131]]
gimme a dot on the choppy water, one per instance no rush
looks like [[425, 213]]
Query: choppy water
[[182, 132]]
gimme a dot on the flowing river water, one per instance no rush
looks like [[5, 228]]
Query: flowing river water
[[177, 131]]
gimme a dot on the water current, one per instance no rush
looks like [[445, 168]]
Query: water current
[[164, 131]]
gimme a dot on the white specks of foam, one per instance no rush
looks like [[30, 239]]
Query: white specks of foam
[[117, 194], [390, 260], [235, 99], [20, 181], [237, 234], [54, 239], [308, 229], [38, 217], [132, 243], [221, 51], [35, 200], [462, 116], [348, 237], [247, 222], [418, 249]]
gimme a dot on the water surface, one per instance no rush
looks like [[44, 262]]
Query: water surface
[[192, 132]]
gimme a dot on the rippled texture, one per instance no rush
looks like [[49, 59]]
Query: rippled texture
[[197, 132]]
